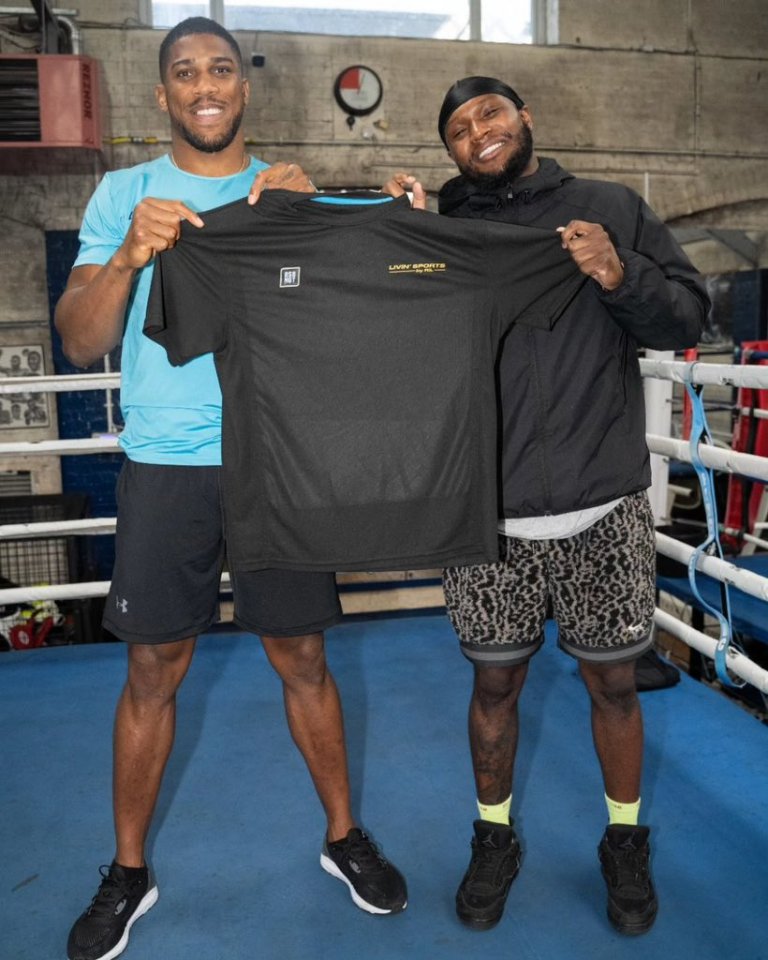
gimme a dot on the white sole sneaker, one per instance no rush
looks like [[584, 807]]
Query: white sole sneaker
[[330, 867], [146, 903]]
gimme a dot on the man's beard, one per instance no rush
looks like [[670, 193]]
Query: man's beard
[[219, 143], [512, 170]]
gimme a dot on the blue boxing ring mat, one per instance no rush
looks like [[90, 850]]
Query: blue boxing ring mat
[[237, 835]]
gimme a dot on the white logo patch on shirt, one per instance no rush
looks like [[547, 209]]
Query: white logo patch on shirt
[[290, 276]]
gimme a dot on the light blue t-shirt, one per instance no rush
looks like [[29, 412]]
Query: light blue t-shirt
[[172, 414]]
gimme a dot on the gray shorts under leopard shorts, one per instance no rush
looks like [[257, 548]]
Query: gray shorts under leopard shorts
[[600, 585]]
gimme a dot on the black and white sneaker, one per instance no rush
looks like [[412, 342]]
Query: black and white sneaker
[[101, 932], [495, 863], [625, 862], [375, 884]]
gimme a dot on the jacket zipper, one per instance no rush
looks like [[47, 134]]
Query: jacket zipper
[[542, 445]]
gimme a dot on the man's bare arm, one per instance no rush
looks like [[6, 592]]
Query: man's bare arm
[[91, 312]]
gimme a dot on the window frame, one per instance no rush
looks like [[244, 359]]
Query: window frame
[[543, 18]]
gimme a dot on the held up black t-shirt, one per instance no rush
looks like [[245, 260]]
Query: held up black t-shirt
[[355, 346]]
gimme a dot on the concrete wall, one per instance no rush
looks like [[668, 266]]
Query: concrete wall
[[639, 92], [718, 28], [668, 96]]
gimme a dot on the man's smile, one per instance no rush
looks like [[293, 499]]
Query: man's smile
[[491, 150], [207, 111]]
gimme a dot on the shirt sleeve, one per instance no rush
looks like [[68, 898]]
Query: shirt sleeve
[[533, 278], [188, 303], [662, 300], [102, 231]]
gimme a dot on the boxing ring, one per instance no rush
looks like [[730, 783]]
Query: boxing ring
[[752, 582], [238, 829], [749, 576]]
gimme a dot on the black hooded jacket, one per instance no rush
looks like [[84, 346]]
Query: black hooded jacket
[[572, 423]]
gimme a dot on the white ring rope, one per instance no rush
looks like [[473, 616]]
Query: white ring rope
[[59, 591], [60, 384], [70, 591], [747, 537], [720, 374], [730, 461], [737, 663], [57, 528], [754, 412], [729, 573], [720, 459], [723, 374], [746, 375], [104, 444]]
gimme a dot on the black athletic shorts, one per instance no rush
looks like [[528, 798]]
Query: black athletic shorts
[[169, 554], [600, 586]]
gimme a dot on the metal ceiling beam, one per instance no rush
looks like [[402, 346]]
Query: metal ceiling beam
[[736, 241], [740, 243]]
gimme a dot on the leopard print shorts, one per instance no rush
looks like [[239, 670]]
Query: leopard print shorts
[[599, 586]]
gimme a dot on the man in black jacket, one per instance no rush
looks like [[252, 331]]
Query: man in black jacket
[[576, 531]]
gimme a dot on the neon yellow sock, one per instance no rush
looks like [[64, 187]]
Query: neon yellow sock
[[496, 812], [627, 813]]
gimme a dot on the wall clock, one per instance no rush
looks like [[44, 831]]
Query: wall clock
[[358, 91]]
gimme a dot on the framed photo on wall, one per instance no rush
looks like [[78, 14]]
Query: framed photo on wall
[[23, 411]]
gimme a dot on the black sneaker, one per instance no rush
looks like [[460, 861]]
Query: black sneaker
[[494, 865], [624, 858], [375, 884], [101, 932]]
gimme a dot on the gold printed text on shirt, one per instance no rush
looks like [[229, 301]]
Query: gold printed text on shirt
[[417, 268]]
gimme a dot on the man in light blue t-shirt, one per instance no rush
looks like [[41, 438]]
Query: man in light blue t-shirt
[[170, 545]]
